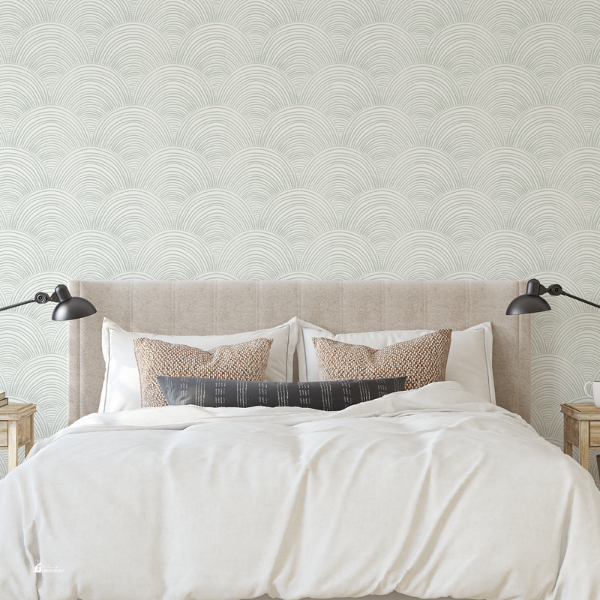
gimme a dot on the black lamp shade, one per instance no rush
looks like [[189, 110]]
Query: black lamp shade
[[525, 304], [71, 307]]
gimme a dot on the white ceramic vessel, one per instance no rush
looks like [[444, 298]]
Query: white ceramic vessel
[[595, 391]]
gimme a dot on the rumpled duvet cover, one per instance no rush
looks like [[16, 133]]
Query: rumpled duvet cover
[[429, 492]]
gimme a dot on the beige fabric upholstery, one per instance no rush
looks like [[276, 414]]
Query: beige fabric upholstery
[[222, 307]]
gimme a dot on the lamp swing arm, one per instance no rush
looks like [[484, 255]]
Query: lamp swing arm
[[40, 298], [580, 299], [532, 302], [68, 307], [534, 287]]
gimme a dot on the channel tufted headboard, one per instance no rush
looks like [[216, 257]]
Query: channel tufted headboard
[[221, 307]]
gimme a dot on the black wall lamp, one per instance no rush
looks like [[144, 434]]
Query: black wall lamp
[[532, 301], [68, 308]]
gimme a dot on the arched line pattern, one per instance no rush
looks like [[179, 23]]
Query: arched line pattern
[[337, 139]]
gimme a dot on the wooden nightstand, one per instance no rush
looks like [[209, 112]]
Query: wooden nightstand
[[16, 429], [582, 428]]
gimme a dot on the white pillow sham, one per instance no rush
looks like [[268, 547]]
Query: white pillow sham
[[469, 361], [121, 389]]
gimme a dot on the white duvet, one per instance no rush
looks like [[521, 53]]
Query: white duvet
[[428, 492]]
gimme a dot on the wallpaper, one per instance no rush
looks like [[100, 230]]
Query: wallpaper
[[276, 139]]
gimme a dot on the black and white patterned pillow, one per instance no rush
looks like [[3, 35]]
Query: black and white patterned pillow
[[322, 395]]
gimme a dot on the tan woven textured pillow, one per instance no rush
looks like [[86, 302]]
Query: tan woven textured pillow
[[422, 360], [247, 360]]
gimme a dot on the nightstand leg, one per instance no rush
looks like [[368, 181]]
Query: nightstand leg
[[567, 446], [29, 444], [584, 444], [13, 445]]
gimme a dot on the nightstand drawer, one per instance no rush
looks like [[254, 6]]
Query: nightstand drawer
[[16, 429], [24, 432], [572, 432], [582, 429]]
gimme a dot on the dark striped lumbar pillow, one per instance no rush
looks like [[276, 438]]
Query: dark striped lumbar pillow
[[323, 395]]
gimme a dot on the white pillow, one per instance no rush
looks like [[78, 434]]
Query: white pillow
[[469, 361], [121, 389]]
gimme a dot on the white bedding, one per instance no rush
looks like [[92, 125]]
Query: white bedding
[[428, 492], [469, 359]]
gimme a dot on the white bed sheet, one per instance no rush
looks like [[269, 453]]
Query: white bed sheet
[[429, 492]]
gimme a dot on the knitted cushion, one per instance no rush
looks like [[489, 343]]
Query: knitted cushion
[[247, 360], [423, 359]]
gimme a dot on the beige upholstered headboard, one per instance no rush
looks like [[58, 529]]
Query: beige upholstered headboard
[[221, 307]]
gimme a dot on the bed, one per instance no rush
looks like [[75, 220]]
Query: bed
[[431, 492]]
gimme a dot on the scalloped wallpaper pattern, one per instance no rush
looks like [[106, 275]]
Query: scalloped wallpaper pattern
[[273, 139]]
